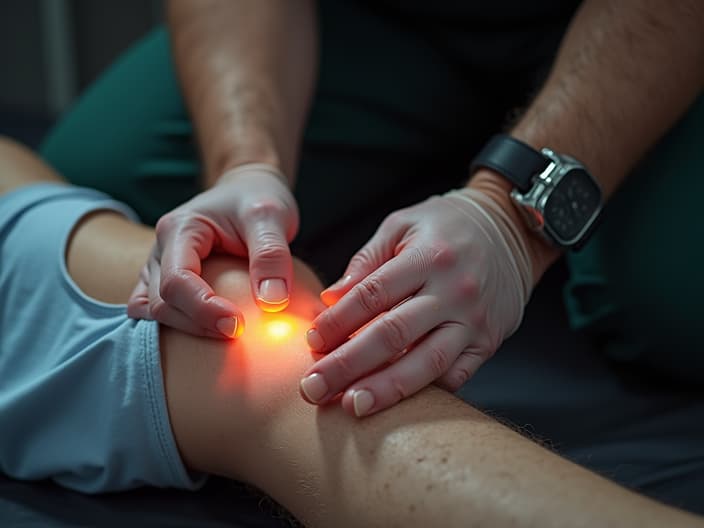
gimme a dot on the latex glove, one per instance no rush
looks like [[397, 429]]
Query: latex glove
[[439, 286], [249, 212]]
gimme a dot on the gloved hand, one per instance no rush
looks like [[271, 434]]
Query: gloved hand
[[430, 297], [249, 212]]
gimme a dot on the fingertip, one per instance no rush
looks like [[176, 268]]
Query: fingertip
[[227, 326], [231, 327], [330, 297], [359, 402], [266, 306], [315, 340], [272, 294], [313, 388], [239, 330]]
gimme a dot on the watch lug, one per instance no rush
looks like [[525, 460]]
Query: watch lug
[[526, 207]]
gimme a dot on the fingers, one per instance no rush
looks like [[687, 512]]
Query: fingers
[[426, 362], [219, 317], [463, 369], [383, 340], [138, 303], [393, 282], [270, 262], [253, 212], [379, 249]]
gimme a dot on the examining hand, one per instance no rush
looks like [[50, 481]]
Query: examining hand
[[250, 212], [430, 297]]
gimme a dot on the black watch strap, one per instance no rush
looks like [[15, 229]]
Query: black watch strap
[[511, 158]]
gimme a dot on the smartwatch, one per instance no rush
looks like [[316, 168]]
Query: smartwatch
[[555, 193]]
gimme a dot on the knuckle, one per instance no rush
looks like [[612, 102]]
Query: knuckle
[[444, 256], [328, 323], [395, 219], [270, 250], [457, 378], [266, 208], [172, 221], [343, 364], [493, 342], [399, 390], [437, 362], [362, 260], [468, 287], [394, 333], [165, 223], [419, 260], [158, 309], [372, 295], [182, 222], [479, 318], [134, 309], [170, 284]]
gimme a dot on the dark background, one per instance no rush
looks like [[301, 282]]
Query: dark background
[[50, 50]]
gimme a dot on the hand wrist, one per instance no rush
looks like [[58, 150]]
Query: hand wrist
[[235, 171], [542, 253], [234, 154]]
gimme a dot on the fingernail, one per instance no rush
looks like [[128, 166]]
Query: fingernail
[[314, 339], [363, 402], [273, 292], [314, 387], [340, 283], [227, 326], [329, 297]]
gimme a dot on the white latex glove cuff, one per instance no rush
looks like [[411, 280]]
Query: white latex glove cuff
[[247, 167], [509, 236]]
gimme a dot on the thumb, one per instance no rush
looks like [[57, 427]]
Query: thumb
[[270, 264]]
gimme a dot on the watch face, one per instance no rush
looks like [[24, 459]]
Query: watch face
[[571, 205]]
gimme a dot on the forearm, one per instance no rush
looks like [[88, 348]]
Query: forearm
[[625, 72], [247, 71]]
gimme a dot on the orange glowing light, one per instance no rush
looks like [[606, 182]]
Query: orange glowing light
[[276, 336], [278, 329]]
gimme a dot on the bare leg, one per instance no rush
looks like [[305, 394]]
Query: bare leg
[[235, 411]]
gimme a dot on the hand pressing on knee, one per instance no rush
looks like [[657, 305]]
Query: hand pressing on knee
[[249, 213], [428, 299]]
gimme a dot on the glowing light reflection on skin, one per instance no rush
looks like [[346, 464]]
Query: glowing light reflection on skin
[[275, 339], [272, 345], [278, 330], [269, 329]]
